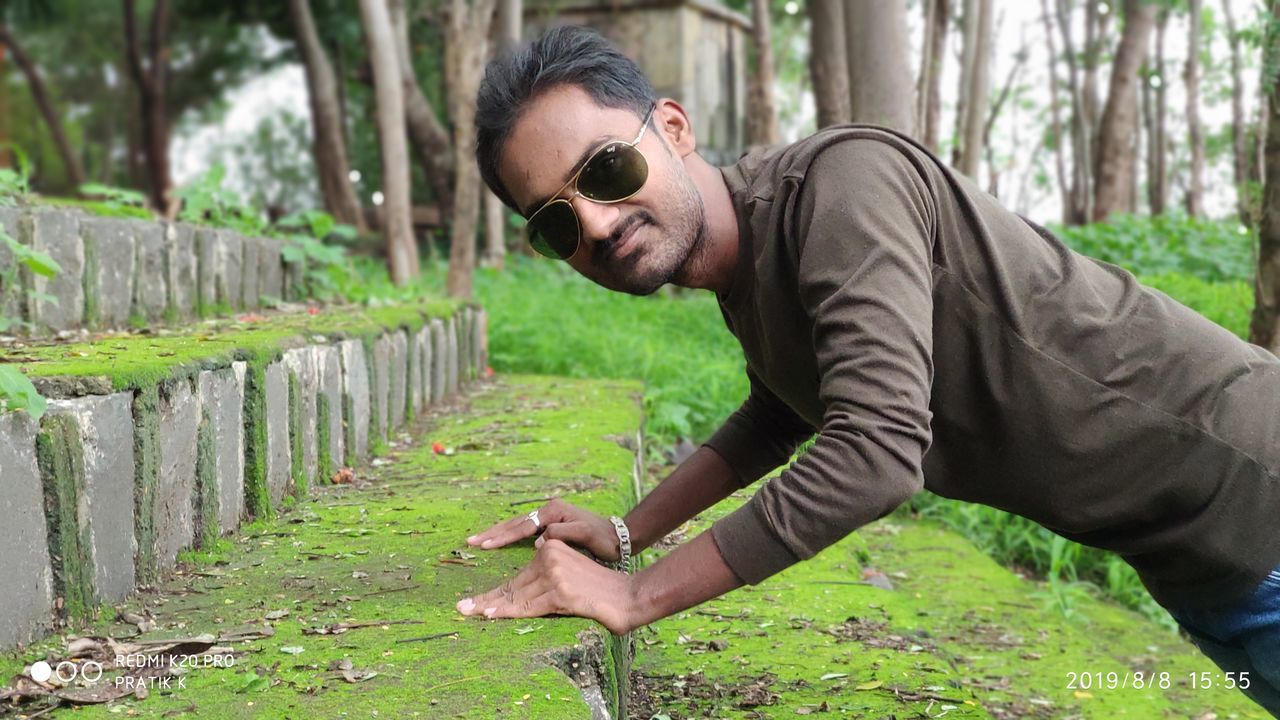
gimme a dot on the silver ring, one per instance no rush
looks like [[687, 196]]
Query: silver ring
[[534, 517]]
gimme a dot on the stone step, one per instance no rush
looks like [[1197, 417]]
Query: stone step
[[387, 556], [154, 444]]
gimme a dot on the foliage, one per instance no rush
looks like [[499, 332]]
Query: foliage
[[327, 266], [273, 163], [15, 181], [205, 201], [1211, 250], [17, 393], [113, 201]]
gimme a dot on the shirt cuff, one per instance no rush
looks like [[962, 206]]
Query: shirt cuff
[[749, 545]]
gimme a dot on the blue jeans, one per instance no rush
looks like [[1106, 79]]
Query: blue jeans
[[1243, 636]]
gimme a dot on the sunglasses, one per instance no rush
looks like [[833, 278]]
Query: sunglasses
[[614, 172]]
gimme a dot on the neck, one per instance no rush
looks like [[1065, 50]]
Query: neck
[[716, 261]]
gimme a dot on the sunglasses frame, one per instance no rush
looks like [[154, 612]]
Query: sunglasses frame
[[573, 181]]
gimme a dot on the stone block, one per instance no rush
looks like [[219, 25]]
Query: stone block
[[466, 317], [295, 279], [399, 360], [222, 406], [180, 253], [451, 356], [110, 260], [439, 363], [57, 234], [279, 456], [329, 363], [26, 595], [228, 268], [381, 385], [415, 372], [174, 518], [481, 344], [207, 258], [424, 345], [355, 400], [249, 268], [106, 509], [270, 271], [150, 275], [305, 364]]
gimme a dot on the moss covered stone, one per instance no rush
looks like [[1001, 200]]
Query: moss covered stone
[[61, 459]]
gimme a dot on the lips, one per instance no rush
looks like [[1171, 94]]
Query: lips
[[627, 243]]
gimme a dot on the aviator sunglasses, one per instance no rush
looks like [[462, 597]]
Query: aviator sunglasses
[[614, 172]]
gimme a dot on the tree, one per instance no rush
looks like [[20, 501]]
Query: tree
[[40, 95], [1154, 112], [1239, 131], [1264, 328], [975, 84], [329, 145], [1115, 150], [1191, 76], [879, 69], [762, 114], [465, 50], [429, 137], [828, 68], [402, 250], [1055, 107], [937, 14], [151, 81], [506, 36]]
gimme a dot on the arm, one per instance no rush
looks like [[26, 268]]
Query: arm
[[758, 437]]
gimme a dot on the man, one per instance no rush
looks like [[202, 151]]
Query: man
[[929, 336]]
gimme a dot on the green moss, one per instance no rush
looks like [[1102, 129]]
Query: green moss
[[61, 459], [146, 464], [324, 456], [375, 554], [92, 304], [206, 515], [349, 431], [297, 465], [257, 496]]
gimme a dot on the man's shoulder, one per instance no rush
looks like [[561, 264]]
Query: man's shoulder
[[856, 146]]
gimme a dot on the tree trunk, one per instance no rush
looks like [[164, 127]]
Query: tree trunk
[[879, 68], [1195, 133], [327, 141], [1239, 153], [1264, 329], [1119, 117], [507, 26], [465, 50], [1079, 209], [152, 82], [828, 68], [402, 249], [978, 31], [1055, 107], [929, 89], [1154, 115], [428, 136], [762, 114], [40, 93]]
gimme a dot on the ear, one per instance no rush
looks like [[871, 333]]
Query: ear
[[673, 122]]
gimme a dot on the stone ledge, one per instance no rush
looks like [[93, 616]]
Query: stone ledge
[[190, 435]]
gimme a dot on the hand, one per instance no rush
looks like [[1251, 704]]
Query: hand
[[560, 521], [561, 581]]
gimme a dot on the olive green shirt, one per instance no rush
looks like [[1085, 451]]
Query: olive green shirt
[[932, 338]]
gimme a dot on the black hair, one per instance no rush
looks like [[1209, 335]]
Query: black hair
[[564, 54]]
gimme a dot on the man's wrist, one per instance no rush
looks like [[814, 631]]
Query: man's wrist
[[624, 542]]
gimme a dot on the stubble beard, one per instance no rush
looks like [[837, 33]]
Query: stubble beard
[[666, 257]]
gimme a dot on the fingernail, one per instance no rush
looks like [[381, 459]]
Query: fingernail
[[488, 612], [538, 542], [472, 538], [486, 543], [466, 605]]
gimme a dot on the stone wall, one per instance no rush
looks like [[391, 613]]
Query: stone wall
[[118, 270], [101, 495]]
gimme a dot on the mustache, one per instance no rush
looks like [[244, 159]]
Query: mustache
[[615, 237]]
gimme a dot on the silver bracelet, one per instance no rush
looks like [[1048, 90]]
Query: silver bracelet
[[624, 542]]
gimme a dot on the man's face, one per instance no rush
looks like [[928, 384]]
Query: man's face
[[667, 216]]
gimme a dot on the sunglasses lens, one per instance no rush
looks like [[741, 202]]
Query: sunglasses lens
[[617, 171], [554, 231]]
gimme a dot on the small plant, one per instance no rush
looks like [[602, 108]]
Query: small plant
[[16, 390], [114, 202], [327, 265], [206, 202], [15, 181]]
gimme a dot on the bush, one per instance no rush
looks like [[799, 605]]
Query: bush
[[1211, 250]]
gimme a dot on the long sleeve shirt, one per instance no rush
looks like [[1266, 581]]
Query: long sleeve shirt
[[932, 338]]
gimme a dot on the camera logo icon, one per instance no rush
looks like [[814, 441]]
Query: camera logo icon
[[66, 671]]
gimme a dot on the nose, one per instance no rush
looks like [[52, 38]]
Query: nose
[[597, 220]]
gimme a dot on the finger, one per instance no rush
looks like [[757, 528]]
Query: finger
[[505, 533], [537, 606], [576, 533], [523, 580]]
